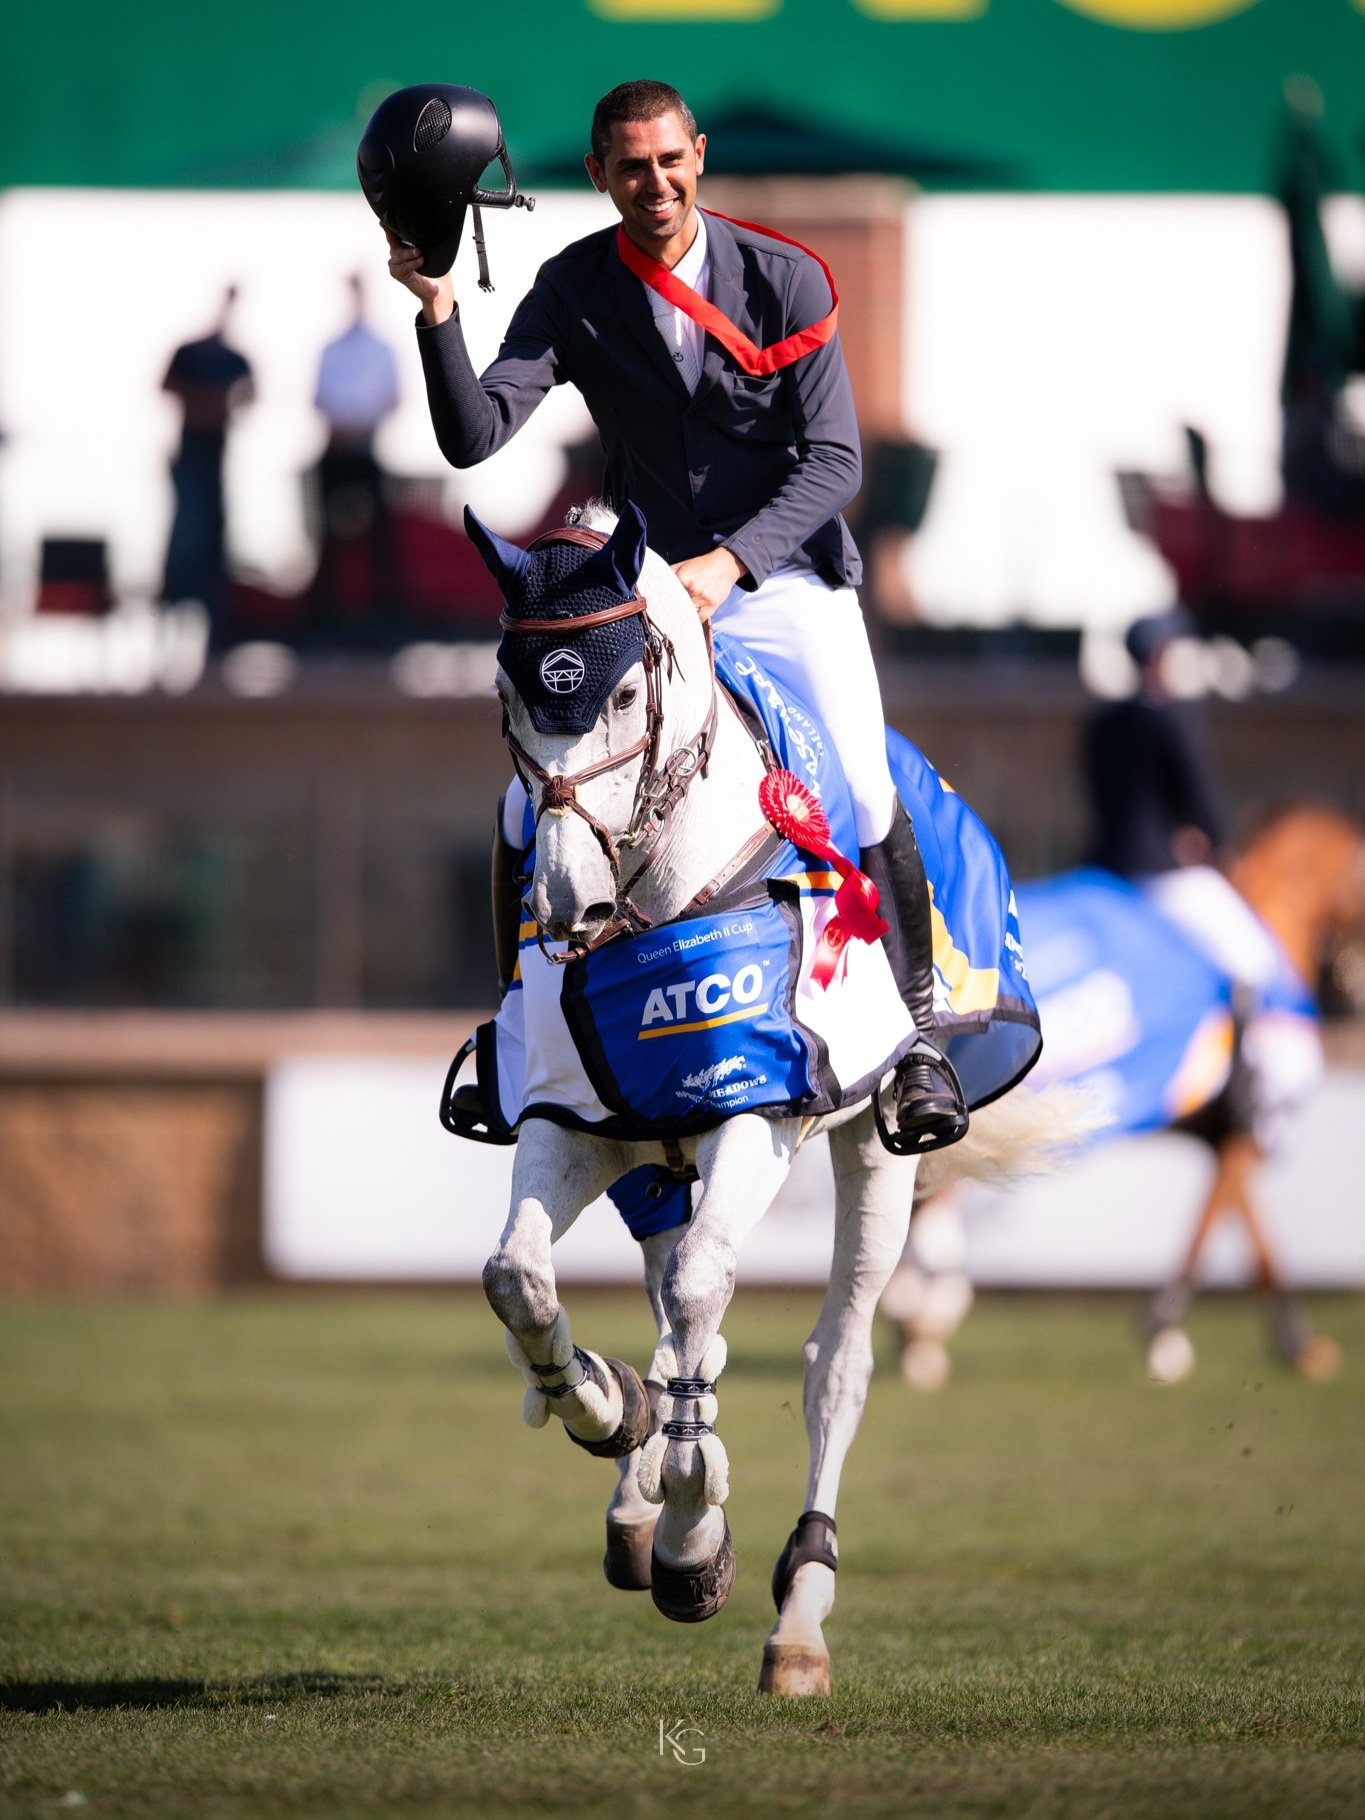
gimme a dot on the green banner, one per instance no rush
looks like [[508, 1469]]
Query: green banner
[[1061, 95]]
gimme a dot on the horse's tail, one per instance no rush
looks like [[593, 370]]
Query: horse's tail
[[1031, 1131]]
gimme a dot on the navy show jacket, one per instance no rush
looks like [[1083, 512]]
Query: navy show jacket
[[763, 465]]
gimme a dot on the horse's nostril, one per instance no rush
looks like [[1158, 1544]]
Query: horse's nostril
[[597, 914]]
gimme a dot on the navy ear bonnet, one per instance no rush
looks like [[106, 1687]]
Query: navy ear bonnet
[[565, 677]]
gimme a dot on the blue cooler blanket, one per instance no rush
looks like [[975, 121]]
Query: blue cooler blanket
[[667, 1032], [1133, 1010]]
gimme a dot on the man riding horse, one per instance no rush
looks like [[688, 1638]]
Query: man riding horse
[[707, 354]]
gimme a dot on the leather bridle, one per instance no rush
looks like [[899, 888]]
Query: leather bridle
[[660, 789]]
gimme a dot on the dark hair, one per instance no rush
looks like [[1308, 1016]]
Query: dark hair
[[1151, 634], [641, 100]]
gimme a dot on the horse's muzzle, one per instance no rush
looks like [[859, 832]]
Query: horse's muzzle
[[584, 929]]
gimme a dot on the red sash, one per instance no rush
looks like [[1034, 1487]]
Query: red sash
[[756, 361]]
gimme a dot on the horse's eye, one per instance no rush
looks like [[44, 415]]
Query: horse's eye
[[625, 696]]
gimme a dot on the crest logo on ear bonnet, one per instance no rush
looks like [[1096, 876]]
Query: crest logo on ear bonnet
[[562, 671]]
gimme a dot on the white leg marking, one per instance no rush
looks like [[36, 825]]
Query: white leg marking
[[555, 1175], [872, 1216], [742, 1164], [628, 1505]]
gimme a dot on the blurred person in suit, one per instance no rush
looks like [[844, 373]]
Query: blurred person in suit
[[1152, 795], [212, 382], [1159, 825]]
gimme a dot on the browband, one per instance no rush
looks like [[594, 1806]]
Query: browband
[[580, 622], [580, 534], [588, 539]]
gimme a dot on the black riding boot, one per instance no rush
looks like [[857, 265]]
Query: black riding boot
[[930, 1109]]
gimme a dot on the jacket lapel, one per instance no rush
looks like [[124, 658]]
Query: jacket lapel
[[631, 307], [727, 294]]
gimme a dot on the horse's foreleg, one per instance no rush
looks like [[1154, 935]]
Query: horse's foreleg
[[684, 1467], [1170, 1354], [872, 1218], [600, 1401], [1311, 1355], [630, 1516]]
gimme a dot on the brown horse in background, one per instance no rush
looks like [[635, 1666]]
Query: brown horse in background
[[1302, 871]]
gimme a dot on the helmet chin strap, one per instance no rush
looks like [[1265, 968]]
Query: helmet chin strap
[[485, 282], [514, 199]]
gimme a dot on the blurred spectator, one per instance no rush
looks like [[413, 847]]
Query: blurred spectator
[[212, 381], [1151, 790], [357, 388]]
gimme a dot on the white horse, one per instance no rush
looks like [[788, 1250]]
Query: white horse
[[634, 819]]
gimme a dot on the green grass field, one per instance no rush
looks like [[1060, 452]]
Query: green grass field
[[296, 1555]]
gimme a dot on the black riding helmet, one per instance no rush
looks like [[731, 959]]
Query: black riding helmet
[[419, 165]]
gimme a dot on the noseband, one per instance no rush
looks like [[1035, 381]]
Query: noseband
[[659, 790]]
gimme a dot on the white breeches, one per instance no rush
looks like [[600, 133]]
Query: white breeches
[[514, 812], [811, 639], [1218, 920], [1282, 1050]]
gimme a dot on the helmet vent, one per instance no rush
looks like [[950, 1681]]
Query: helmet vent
[[433, 123]]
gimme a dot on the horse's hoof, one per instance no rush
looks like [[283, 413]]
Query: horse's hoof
[[630, 1551], [1318, 1359], [689, 1595], [1170, 1356], [794, 1670], [925, 1365], [635, 1416]]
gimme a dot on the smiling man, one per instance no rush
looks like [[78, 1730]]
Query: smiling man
[[706, 351]]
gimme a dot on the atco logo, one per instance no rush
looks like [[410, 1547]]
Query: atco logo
[[711, 997], [562, 671]]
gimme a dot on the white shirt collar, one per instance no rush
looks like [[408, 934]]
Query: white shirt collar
[[689, 267], [694, 268]]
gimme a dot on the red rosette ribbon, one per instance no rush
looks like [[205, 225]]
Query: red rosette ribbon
[[795, 812]]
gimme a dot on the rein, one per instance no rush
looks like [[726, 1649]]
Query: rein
[[660, 789]]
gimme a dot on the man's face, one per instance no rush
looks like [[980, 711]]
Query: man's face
[[650, 172]]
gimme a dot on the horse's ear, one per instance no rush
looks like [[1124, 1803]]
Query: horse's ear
[[628, 542], [506, 561]]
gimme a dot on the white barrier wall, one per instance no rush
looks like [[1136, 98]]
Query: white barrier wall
[[362, 1184], [1050, 340]]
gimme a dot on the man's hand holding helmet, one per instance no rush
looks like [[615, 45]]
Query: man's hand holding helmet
[[436, 295]]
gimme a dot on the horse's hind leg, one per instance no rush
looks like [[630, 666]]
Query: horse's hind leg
[[684, 1467], [630, 1516], [601, 1402], [930, 1294], [872, 1218]]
